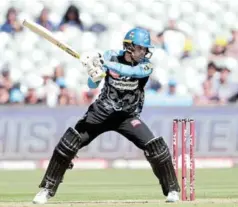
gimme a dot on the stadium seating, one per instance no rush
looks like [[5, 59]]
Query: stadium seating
[[202, 22]]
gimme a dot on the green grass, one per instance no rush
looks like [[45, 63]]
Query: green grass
[[214, 187]]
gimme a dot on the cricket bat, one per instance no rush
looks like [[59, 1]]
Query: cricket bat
[[43, 32], [48, 35]]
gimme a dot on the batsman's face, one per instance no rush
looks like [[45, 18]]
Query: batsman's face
[[139, 53]]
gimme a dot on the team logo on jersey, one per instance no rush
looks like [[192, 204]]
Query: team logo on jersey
[[135, 122], [148, 66]]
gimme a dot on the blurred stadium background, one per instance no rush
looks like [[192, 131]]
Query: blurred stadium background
[[195, 60]]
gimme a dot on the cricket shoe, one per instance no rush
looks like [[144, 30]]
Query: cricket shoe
[[42, 197], [172, 197]]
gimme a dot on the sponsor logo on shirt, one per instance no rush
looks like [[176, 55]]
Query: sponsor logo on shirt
[[135, 122], [123, 85]]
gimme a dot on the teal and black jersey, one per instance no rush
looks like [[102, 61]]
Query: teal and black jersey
[[123, 89]]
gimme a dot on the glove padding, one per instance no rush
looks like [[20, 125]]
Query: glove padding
[[93, 62]]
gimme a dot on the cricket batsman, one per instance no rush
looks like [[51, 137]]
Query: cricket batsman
[[117, 108]]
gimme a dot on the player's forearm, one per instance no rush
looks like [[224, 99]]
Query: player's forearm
[[91, 84], [139, 71]]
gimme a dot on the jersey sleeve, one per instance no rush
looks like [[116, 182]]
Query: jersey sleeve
[[109, 54], [142, 70]]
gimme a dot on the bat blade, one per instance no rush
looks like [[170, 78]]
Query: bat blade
[[43, 32]]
